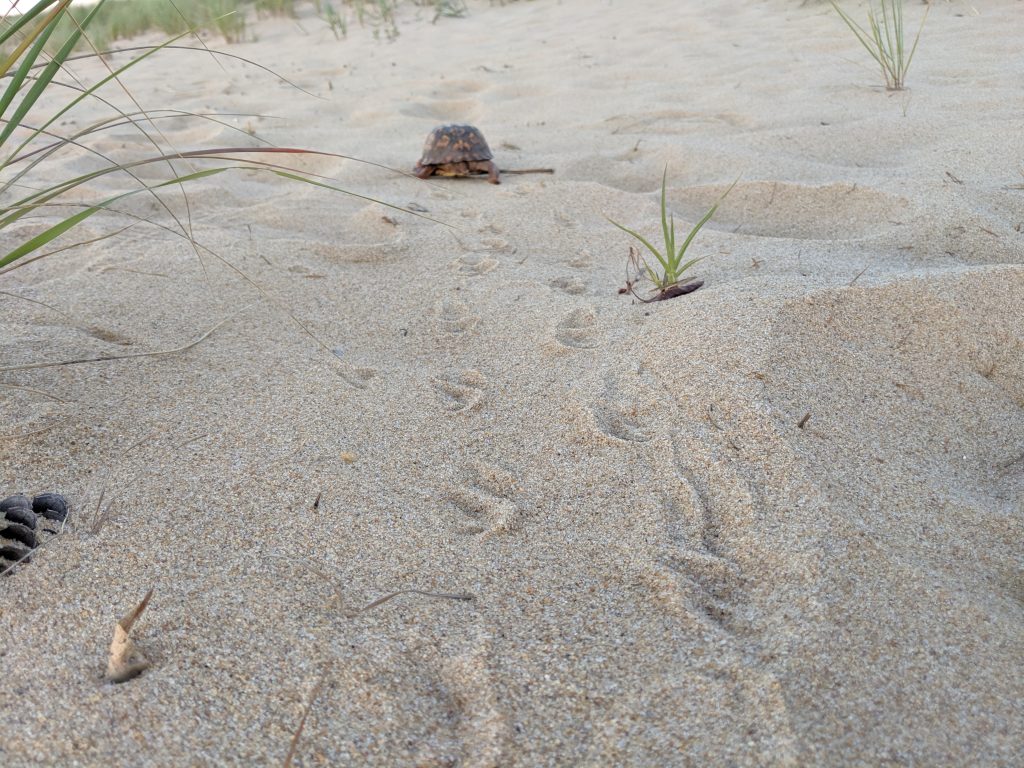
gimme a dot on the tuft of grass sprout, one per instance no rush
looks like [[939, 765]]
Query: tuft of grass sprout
[[670, 260], [884, 39]]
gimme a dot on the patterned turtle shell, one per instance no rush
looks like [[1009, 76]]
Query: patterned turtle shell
[[457, 150], [455, 144]]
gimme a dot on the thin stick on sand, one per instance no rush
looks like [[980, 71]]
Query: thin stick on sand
[[106, 358], [293, 747], [443, 595], [527, 170]]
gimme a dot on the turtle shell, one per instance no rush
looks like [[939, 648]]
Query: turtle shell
[[455, 144]]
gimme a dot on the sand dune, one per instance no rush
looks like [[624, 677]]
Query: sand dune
[[777, 521]]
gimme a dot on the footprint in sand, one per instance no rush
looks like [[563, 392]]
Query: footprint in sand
[[461, 391], [357, 377], [693, 570], [578, 329], [691, 573], [573, 286], [619, 421], [484, 503], [484, 728], [582, 260], [455, 316], [475, 264]]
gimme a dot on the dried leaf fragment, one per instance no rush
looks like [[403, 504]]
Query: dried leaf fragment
[[125, 660]]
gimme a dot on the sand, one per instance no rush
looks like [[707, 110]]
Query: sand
[[666, 568]]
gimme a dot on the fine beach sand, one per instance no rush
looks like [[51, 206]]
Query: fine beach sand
[[665, 568]]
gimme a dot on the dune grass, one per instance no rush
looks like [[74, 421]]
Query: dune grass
[[670, 260], [884, 39], [37, 101], [125, 19]]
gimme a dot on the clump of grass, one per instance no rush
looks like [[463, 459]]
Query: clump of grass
[[123, 20], [379, 15], [227, 18], [131, 18], [333, 19], [667, 279], [275, 7], [455, 9], [35, 103], [884, 39]]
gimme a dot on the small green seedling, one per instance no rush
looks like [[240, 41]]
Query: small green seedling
[[666, 280], [884, 39]]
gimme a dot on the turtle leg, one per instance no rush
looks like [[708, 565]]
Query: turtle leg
[[423, 171], [492, 172]]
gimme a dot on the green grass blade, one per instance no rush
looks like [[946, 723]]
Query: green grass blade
[[920, 29], [885, 39], [862, 35], [44, 78], [86, 93], [41, 198], [670, 245], [35, 42], [24, 19], [29, 38], [48, 235], [689, 264], [669, 236], [661, 259], [702, 222], [58, 229]]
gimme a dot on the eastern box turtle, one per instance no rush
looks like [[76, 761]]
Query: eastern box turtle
[[456, 150]]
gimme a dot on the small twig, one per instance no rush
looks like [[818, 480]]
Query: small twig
[[711, 418], [136, 444], [115, 268], [34, 391], [953, 178], [857, 277], [105, 358], [302, 723], [41, 304], [316, 502], [800, 424], [34, 432], [1005, 465], [528, 170], [193, 439], [101, 516], [444, 595]]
